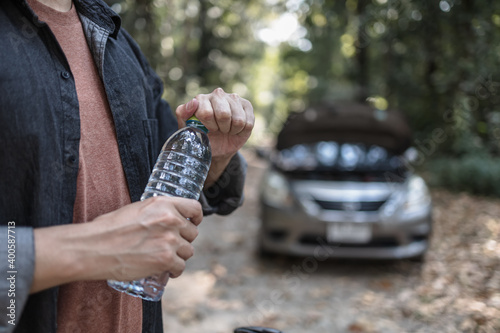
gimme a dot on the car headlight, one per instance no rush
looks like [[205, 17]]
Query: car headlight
[[408, 202], [276, 190], [417, 196]]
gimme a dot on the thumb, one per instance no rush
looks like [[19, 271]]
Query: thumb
[[185, 111]]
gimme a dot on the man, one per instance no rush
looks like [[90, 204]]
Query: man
[[81, 124]]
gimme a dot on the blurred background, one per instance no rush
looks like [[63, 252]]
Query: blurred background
[[437, 62]]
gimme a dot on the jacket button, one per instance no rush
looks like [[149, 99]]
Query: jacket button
[[65, 75], [72, 159]]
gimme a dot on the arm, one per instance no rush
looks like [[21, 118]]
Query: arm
[[138, 240]]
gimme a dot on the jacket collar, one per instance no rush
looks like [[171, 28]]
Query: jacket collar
[[95, 10], [100, 13]]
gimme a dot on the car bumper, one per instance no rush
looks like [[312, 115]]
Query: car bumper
[[294, 232]]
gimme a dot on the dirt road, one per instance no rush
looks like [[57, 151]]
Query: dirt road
[[457, 288]]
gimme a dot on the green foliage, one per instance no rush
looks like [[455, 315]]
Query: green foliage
[[196, 46], [436, 61], [427, 58], [475, 173]]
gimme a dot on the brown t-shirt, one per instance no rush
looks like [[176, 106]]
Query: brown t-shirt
[[92, 306]]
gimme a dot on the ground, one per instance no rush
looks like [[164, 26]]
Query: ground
[[455, 289]]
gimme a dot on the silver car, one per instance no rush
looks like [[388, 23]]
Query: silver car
[[341, 185]]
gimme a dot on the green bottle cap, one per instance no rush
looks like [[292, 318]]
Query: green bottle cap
[[195, 122]]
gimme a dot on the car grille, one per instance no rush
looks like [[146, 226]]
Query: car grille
[[362, 206]]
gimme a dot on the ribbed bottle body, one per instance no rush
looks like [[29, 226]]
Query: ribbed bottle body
[[180, 171]]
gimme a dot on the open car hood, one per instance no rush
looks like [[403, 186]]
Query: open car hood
[[347, 123]]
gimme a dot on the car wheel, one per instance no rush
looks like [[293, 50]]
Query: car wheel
[[418, 259], [263, 253]]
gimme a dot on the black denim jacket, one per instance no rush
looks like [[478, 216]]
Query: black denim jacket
[[40, 133]]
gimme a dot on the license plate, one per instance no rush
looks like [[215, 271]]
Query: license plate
[[349, 233]]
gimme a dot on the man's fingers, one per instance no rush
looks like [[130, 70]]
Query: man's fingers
[[189, 232], [159, 208], [238, 115], [191, 210], [222, 110], [185, 111], [177, 267], [185, 251], [219, 111], [249, 117], [205, 112], [188, 209]]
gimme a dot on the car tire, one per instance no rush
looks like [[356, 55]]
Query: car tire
[[418, 259], [264, 253]]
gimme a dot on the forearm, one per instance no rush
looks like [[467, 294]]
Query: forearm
[[143, 238], [62, 256]]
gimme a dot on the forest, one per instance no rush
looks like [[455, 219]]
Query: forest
[[436, 61]]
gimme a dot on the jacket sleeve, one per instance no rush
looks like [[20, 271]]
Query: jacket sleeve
[[17, 263], [227, 193]]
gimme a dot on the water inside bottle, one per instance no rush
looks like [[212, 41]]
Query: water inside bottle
[[180, 170]]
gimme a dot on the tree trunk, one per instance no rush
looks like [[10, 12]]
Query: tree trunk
[[361, 54]]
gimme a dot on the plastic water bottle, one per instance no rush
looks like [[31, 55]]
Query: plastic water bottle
[[180, 171]]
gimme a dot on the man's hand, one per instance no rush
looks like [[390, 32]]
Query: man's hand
[[229, 120], [135, 241]]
